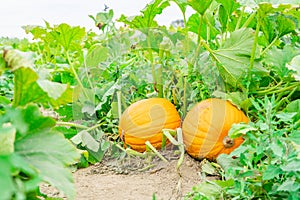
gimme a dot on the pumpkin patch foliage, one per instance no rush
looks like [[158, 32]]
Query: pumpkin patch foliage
[[227, 75]]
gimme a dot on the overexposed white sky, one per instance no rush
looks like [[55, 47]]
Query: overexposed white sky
[[16, 13]]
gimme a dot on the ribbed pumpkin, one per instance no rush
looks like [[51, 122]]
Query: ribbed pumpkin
[[144, 120], [205, 128]]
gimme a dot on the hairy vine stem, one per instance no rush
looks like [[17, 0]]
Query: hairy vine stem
[[252, 58]]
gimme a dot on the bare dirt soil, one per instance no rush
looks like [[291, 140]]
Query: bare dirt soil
[[134, 178]]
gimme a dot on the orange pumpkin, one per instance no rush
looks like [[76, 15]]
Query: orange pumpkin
[[205, 128], [144, 120]]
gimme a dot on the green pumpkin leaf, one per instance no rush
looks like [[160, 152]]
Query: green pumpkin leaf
[[54, 90], [194, 23], [277, 25], [38, 32], [200, 6], [86, 140], [28, 120], [234, 56], [182, 4], [229, 6], [96, 54], [279, 60], [70, 38], [224, 183], [29, 89], [50, 153], [146, 19], [35, 120]]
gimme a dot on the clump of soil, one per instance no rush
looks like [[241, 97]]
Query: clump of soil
[[134, 178]]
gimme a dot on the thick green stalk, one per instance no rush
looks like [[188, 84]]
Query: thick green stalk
[[184, 96], [248, 21], [95, 126], [252, 58], [58, 123], [151, 60], [76, 75], [119, 104], [88, 77], [184, 76], [270, 89], [199, 42], [159, 84], [148, 144], [181, 147], [282, 100], [210, 51], [269, 46], [273, 91], [237, 26]]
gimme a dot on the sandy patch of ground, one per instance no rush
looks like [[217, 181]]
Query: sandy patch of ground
[[134, 178]]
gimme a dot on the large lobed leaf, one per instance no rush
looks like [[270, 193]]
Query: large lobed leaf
[[39, 153], [234, 56], [29, 89], [200, 7], [146, 19], [50, 153], [69, 37]]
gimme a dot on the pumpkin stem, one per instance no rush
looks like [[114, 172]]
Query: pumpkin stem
[[228, 142]]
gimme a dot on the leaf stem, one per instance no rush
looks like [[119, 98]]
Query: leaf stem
[[210, 51], [199, 42], [237, 26], [269, 46], [248, 21], [252, 58], [151, 60], [285, 98], [59, 123], [269, 89], [76, 75], [159, 85], [148, 144], [184, 96], [95, 126], [119, 104], [272, 91]]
